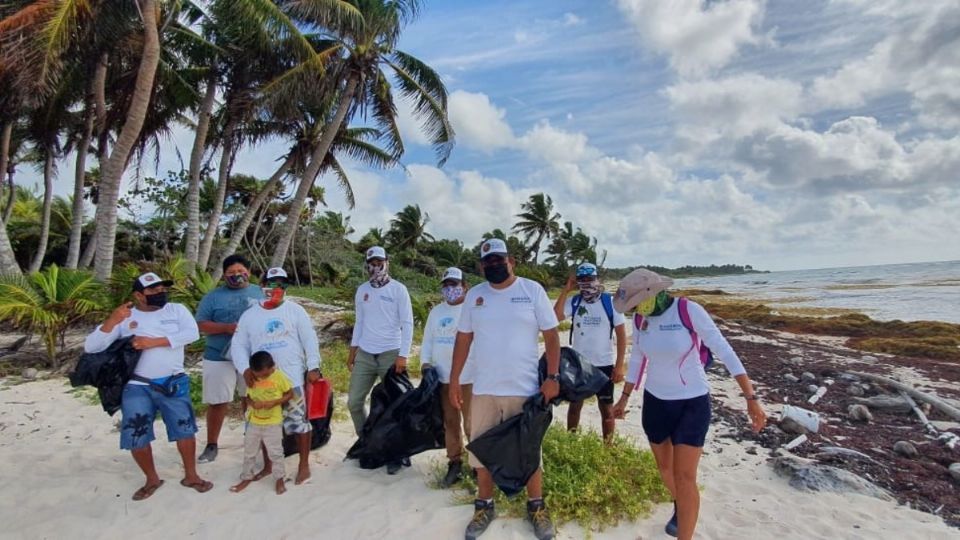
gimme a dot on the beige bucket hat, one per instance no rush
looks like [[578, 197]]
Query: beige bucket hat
[[637, 286]]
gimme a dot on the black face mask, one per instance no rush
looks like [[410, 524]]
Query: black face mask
[[496, 273], [157, 300]]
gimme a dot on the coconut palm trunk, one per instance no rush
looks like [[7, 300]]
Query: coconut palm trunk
[[239, 231], [192, 248], [106, 216], [41, 252], [310, 174], [8, 261], [223, 178]]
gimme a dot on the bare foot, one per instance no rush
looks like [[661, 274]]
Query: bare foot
[[281, 488], [241, 486], [265, 472], [303, 475]]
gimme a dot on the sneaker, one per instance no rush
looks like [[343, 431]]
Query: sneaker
[[671, 527], [406, 462], [208, 455], [538, 516], [394, 467], [483, 513], [454, 473]]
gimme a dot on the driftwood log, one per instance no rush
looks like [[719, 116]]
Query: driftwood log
[[940, 404], [890, 404], [923, 418]]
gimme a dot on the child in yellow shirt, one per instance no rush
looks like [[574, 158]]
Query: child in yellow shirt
[[264, 402]]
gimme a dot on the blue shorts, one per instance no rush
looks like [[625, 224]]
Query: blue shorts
[[683, 421], [139, 408]]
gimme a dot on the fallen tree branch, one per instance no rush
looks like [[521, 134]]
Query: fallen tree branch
[[923, 418], [940, 404]]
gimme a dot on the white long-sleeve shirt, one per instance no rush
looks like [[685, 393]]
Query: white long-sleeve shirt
[[384, 319], [172, 321], [439, 335], [285, 332], [664, 348]]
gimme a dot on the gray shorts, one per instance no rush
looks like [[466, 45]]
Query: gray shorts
[[220, 381]]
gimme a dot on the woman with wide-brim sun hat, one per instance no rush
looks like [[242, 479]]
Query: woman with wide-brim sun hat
[[668, 335]]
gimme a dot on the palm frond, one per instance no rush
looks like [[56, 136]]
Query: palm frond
[[420, 83]]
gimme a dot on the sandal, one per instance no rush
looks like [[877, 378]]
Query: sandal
[[202, 486], [146, 491]]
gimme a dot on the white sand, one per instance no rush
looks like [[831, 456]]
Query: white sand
[[63, 476]]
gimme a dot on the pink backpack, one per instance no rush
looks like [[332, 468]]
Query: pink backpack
[[706, 355]]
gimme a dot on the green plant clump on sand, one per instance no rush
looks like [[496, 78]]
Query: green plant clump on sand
[[585, 481]]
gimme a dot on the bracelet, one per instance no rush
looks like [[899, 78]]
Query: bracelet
[[625, 394], [751, 397]]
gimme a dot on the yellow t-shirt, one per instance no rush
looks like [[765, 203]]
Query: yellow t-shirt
[[273, 387]]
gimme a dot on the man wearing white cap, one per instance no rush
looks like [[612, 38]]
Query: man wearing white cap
[[159, 384], [439, 334], [382, 335], [500, 324], [283, 329]]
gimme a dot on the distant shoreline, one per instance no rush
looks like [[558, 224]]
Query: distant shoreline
[[685, 272]]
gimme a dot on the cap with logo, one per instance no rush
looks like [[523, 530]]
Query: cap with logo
[[452, 273], [637, 286], [494, 246], [275, 273], [587, 270], [376, 252], [148, 280]]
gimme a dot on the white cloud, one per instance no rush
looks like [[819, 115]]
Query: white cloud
[[697, 36], [554, 145], [571, 19], [477, 122]]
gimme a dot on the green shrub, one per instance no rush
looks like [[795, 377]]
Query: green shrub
[[334, 365], [586, 481], [196, 394], [565, 325]]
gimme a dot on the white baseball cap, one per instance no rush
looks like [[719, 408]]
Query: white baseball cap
[[376, 252], [494, 246], [453, 273], [275, 273], [148, 280]]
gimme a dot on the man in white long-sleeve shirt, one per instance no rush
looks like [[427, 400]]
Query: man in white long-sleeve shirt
[[439, 335], [161, 331], [382, 335], [283, 329]]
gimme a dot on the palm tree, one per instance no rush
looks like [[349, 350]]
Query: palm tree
[[334, 224], [366, 43], [408, 228], [537, 219]]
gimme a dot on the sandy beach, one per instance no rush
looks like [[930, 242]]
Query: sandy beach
[[64, 477]]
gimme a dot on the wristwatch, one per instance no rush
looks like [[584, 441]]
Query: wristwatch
[[553, 377]]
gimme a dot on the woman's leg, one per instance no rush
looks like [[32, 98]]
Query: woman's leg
[[664, 455], [686, 458]]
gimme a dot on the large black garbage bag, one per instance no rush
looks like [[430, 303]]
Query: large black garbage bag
[[108, 370], [579, 379], [511, 450], [401, 424], [319, 436]]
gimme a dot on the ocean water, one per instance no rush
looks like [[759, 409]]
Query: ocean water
[[909, 292]]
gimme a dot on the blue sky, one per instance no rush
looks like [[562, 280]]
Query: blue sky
[[773, 133]]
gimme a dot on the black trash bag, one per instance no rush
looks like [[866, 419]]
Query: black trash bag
[[511, 450], [319, 436], [109, 371], [579, 379], [401, 424]]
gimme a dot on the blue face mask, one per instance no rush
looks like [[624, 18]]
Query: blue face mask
[[452, 293]]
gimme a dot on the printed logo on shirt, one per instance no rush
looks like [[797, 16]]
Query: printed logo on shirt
[[366, 297], [274, 327], [133, 325], [671, 327], [590, 321], [446, 321], [386, 298], [521, 300], [169, 321], [479, 302]]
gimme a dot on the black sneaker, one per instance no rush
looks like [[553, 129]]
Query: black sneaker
[[394, 467], [671, 527], [454, 473], [483, 513], [538, 516], [208, 455]]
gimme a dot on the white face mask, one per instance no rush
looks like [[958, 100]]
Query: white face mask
[[452, 293]]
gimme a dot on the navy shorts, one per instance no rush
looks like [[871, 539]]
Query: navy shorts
[[683, 421], [605, 395], [140, 406]]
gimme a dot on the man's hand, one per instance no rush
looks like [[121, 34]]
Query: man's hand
[[618, 375], [400, 364], [248, 377], [142, 343], [313, 375], [351, 360], [118, 315], [456, 399], [550, 389]]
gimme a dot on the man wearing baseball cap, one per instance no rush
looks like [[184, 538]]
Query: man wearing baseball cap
[[283, 329], [669, 334], [439, 334], [159, 384], [595, 323], [382, 335], [499, 328]]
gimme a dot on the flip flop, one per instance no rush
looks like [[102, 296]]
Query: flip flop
[[202, 486], [146, 491]]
